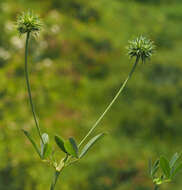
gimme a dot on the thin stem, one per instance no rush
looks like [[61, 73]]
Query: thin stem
[[28, 86], [112, 102], [56, 176]]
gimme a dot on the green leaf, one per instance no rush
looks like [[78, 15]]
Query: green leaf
[[45, 150], [155, 168], [174, 159], [71, 147], [90, 144], [177, 169], [164, 164], [156, 163], [45, 138], [45, 146], [60, 143], [32, 142]]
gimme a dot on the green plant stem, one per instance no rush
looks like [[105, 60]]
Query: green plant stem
[[56, 176], [156, 187], [112, 102], [28, 86]]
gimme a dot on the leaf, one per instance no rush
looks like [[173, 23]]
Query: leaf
[[177, 169], [43, 150], [45, 138], [47, 150], [71, 147], [174, 159], [90, 144], [45, 146], [32, 142], [60, 143], [156, 163], [155, 168], [164, 164]]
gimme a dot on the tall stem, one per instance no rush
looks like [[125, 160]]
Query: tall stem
[[28, 86], [112, 102], [56, 176]]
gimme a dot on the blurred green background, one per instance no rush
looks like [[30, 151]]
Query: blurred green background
[[77, 64]]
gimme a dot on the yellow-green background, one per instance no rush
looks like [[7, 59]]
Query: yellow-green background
[[76, 65]]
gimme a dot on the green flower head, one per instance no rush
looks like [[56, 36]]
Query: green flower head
[[141, 47], [28, 22]]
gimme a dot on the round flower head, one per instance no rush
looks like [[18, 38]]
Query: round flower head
[[141, 47], [28, 22]]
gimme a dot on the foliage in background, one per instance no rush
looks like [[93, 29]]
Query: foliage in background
[[80, 59]]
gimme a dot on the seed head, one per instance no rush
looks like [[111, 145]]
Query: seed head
[[141, 47], [28, 22]]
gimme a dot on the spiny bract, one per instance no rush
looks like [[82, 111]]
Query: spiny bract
[[141, 47], [28, 22]]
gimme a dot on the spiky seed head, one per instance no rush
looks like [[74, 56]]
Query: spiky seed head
[[28, 22], [141, 47]]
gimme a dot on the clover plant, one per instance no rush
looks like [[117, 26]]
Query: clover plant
[[141, 49]]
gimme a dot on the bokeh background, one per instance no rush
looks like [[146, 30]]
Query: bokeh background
[[77, 65]]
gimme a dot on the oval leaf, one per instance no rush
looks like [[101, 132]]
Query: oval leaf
[[71, 147], [60, 143], [164, 164], [32, 142], [90, 144]]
